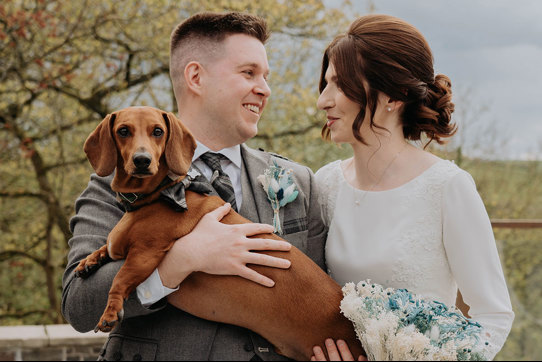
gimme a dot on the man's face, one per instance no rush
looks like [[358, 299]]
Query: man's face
[[235, 88]]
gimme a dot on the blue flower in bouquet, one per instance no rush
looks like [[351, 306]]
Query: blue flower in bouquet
[[394, 324], [280, 190]]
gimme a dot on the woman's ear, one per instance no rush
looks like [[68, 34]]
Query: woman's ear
[[100, 147], [180, 145], [393, 105], [192, 77]]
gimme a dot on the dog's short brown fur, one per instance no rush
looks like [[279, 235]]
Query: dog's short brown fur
[[299, 312]]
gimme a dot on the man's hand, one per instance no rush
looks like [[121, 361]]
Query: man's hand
[[221, 249]]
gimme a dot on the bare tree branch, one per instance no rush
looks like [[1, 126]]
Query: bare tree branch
[[9, 254], [23, 194], [293, 132]]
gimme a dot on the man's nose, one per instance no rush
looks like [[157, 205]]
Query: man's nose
[[262, 88]]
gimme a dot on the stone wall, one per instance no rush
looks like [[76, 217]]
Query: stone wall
[[58, 342]]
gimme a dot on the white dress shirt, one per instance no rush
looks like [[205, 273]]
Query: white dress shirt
[[152, 289]]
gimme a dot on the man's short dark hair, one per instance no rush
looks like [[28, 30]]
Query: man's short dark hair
[[216, 26], [199, 37]]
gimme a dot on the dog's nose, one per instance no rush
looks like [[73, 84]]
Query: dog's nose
[[142, 160]]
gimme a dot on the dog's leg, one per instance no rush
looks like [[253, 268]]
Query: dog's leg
[[92, 263], [134, 272]]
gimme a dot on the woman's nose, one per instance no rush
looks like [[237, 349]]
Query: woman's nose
[[324, 101]]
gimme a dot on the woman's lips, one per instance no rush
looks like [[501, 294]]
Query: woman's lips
[[330, 121]]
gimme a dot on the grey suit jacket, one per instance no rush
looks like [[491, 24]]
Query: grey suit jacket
[[163, 332]]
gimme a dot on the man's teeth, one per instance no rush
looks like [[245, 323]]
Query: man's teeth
[[252, 108]]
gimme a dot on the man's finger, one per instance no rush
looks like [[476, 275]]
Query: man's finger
[[220, 211], [267, 260], [256, 277], [268, 244], [251, 229]]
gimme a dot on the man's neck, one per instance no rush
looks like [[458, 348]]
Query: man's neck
[[204, 133]]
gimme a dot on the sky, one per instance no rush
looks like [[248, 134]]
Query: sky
[[492, 52]]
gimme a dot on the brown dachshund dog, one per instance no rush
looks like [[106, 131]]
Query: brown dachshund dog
[[145, 145]]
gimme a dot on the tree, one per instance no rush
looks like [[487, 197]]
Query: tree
[[64, 66]]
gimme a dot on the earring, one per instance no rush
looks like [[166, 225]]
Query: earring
[[388, 109]]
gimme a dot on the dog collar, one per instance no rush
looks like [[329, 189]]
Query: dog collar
[[173, 195]]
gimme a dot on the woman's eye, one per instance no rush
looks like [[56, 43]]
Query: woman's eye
[[123, 132], [158, 132]]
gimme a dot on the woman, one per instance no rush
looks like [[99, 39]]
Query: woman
[[397, 214]]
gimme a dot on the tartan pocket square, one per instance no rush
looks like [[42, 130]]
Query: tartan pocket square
[[295, 225]]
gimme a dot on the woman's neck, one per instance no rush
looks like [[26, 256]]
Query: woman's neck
[[376, 163]]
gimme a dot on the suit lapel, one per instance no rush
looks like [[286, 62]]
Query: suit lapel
[[256, 206], [248, 206]]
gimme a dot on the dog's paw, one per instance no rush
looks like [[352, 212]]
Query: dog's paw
[[86, 270], [88, 266], [107, 324]]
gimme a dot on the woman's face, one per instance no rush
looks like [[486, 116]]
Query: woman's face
[[341, 111]]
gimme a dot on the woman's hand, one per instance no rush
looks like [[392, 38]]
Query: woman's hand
[[336, 352], [221, 249]]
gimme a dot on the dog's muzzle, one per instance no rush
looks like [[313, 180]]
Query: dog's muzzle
[[142, 161]]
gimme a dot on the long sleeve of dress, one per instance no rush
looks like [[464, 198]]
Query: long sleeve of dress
[[474, 260]]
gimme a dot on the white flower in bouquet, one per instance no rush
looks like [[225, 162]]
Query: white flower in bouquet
[[398, 325]]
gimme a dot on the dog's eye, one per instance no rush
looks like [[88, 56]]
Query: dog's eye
[[123, 132], [157, 132]]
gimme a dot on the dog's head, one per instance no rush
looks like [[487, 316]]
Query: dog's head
[[141, 142]]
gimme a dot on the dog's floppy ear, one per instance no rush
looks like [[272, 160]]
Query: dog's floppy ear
[[100, 147], [180, 145]]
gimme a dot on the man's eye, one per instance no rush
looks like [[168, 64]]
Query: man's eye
[[158, 132], [248, 72], [123, 132]]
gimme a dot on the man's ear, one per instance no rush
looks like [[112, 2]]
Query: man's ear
[[100, 147], [180, 145], [192, 77]]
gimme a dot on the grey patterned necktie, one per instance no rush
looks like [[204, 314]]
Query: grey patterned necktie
[[220, 180]]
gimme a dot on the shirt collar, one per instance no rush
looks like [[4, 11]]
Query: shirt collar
[[232, 153]]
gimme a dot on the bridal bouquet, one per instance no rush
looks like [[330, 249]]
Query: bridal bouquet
[[394, 324]]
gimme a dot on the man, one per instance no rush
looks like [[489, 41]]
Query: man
[[218, 69]]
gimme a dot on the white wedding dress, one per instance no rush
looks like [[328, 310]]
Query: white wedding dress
[[431, 236]]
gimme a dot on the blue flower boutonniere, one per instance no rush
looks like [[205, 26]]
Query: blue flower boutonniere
[[280, 189]]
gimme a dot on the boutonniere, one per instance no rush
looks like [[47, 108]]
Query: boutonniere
[[280, 189]]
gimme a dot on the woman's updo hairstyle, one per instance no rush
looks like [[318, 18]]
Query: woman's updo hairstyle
[[388, 55]]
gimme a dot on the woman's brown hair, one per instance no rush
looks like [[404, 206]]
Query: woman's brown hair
[[391, 56]]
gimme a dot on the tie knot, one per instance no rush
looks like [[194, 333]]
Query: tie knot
[[213, 160]]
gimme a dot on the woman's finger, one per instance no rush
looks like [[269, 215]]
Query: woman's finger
[[318, 354], [346, 355], [332, 351]]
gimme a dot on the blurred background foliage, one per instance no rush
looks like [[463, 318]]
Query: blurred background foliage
[[64, 65]]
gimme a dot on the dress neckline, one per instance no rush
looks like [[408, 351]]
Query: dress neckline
[[424, 172]]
